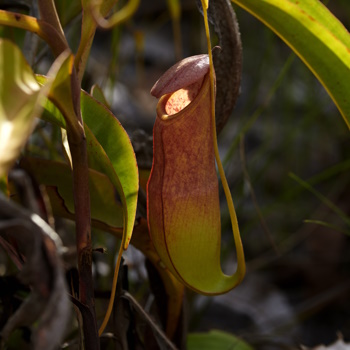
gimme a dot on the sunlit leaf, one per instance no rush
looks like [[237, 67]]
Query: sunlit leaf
[[19, 96], [20, 101], [61, 92], [316, 36], [109, 151], [117, 145]]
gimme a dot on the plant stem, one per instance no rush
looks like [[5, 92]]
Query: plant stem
[[48, 14], [44, 30], [78, 149], [83, 227], [87, 36]]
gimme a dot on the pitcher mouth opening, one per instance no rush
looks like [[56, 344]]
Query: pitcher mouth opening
[[173, 105]]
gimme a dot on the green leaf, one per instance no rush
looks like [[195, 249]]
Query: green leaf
[[88, 29], [109, 151], [19, 103], [116, 143], [215, 340], [51, 113], [97, 93], [316, 36], [61, 92], [105, 206]]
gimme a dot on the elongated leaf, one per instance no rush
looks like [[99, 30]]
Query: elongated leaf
[[117, 145], [217, 340], [109, 151], [20, 101], [316, 36], [61, 92], [88, 29], [105, 206], [19, 94]]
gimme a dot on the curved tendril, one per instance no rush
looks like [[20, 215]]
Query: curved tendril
[[119, 17], [241, 268]]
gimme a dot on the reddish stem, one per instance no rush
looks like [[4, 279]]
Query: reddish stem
[[78, 149]]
